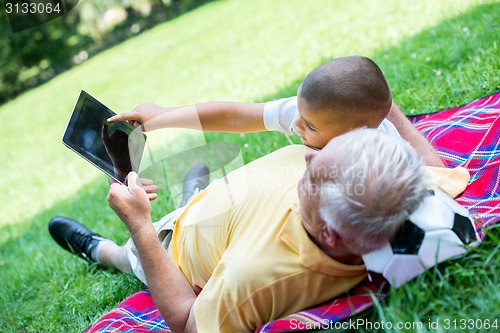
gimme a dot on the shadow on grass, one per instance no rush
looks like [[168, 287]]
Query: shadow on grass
[[436, 69], [45, 282], [447, 65], [444, 66]]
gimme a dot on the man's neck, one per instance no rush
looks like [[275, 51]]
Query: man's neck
[[339, 253]]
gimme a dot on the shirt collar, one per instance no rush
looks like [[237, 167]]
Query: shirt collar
[[296, 238]]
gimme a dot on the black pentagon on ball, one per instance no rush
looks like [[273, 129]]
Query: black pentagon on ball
[[462, 226], [408, 239]]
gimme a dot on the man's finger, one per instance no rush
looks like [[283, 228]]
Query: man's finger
[[114, 190], [145, 181], [132, 180], [150, 188]]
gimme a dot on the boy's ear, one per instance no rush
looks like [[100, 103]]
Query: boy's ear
[[329, 237]]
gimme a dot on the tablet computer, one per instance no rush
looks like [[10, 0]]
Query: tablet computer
[[115, 148]]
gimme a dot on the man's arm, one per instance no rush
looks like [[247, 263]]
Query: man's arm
[[171, 292], [414, 137], [210, 117]]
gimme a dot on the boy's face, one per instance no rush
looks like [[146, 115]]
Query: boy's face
[[315, 127]]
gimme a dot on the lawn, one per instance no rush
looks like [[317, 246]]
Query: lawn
[[435, 54]]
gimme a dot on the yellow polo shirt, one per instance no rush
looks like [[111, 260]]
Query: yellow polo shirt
[[248, 251], [241, 241]]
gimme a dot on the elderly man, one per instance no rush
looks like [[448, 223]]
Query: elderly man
[[269, 241]]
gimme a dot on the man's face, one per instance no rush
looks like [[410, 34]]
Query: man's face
[[318, 171]]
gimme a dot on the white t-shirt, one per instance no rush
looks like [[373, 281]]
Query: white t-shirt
[[279, 115]]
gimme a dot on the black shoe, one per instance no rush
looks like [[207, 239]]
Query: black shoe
[[74, 237], [195, 180]]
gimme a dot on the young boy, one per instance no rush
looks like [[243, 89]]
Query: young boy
[[336, 97]]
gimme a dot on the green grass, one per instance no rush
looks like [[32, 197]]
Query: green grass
[[435, 54]]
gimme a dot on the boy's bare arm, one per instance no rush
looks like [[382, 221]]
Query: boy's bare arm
[[210, 117], [412, 135], [231, 117]]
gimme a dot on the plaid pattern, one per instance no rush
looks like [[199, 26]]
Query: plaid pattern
[[351, 303], [137, 313], [467, 136]]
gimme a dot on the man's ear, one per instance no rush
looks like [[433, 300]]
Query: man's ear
[[329, 237]]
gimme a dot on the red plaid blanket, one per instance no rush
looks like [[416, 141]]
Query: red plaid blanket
[[467, 136]]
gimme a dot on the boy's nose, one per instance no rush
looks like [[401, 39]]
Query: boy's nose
[[299, 123]]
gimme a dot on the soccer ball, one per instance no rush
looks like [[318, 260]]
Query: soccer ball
[[435, 232]]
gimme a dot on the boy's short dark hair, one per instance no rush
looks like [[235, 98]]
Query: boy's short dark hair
[[353, 85]]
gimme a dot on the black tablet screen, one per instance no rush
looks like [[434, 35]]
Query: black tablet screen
[[114, 148]]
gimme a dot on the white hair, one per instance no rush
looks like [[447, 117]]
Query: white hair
[[376, 182]]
